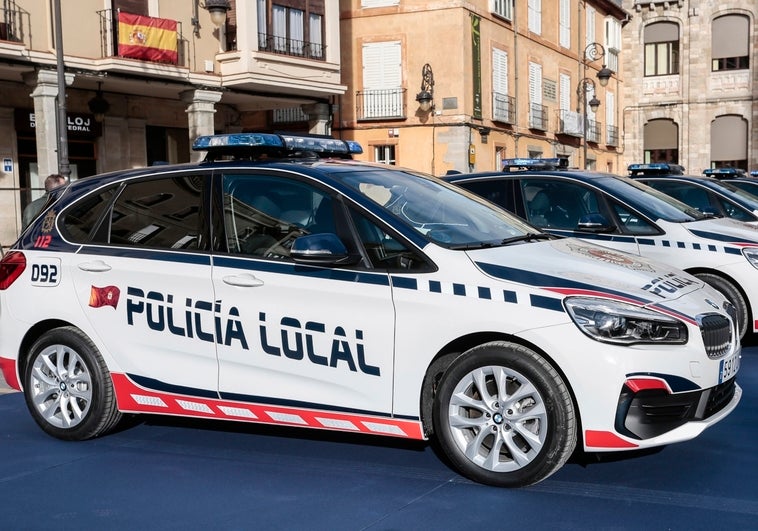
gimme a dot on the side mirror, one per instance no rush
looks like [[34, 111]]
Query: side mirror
[[321, 249], [710, 212], [595, 223]]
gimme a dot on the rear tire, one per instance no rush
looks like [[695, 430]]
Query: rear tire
[[67, 387], [733, 295], [504, 416]]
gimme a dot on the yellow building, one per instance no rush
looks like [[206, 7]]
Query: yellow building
[[442, 86]]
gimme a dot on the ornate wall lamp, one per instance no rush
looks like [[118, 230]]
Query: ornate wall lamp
[[592, 52], [425, 98], [98, 105]]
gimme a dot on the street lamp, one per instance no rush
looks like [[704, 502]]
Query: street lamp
[[592, 52], [425, 98]]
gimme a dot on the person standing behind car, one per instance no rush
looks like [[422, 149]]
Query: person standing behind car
[[52, 182]]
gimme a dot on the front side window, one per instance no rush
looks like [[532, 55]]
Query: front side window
[[661, 49], [557, 204], [263, 215]]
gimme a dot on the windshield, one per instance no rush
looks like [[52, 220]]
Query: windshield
[[442, 213], [649, 201], [745, 197]]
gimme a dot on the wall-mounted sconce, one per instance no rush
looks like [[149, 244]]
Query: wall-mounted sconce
[[484, 133], [217, 10], [98, 105], [425, 98]]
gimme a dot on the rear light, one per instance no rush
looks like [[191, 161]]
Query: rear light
[[11, 267]]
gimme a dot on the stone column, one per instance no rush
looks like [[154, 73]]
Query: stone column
[[319, 118], [45, 92], [200, 114]]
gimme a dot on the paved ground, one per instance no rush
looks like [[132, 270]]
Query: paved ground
[[170, 474]]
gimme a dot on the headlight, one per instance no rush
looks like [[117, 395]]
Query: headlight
[[618, 322], [751, 253]]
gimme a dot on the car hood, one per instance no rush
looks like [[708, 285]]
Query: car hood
[[573, 267], [724, 231]]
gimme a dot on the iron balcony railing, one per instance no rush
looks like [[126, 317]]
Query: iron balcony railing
[[571, 123], [612, 136], [503, 108], [15, 23], [538, 117], [295, 48], [593, 131], [109, 37], [380, 104]]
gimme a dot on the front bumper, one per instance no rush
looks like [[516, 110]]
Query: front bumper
[[648, 413]]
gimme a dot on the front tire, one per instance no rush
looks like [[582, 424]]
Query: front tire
[[504, 416], [67, 386]]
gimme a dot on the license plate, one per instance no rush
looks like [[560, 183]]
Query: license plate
[[729, 367]]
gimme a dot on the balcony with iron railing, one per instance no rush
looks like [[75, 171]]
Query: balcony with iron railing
[[612, 136], [109, 39], [537, 117], [15, 23], [380, 104], [291, 47], [594, 129], [571, 123], [503, 108]]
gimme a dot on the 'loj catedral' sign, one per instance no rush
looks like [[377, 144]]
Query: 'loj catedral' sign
[[79, 125]]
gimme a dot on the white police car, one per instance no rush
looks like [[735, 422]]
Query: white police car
[[706, 193], [318, 292], [623, 214]]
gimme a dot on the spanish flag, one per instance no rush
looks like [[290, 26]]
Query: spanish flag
[[147, 38]]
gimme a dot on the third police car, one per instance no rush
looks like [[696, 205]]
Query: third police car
[[623, 214], [279, 282]]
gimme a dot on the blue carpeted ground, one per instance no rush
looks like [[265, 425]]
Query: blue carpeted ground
[[163, 474]]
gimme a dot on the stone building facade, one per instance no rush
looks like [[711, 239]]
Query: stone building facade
[[692, 84]]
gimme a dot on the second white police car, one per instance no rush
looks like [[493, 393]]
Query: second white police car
[[277, 282]]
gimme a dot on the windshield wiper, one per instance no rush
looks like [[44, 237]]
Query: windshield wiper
[[528, 237]]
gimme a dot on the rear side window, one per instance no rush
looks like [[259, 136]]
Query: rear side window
[[160, 213], [80, 221]]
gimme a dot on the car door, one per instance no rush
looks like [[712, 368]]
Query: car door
[[299, 336], [144, 280]]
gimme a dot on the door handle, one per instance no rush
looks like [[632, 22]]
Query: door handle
[[96, 266], [245, 280]]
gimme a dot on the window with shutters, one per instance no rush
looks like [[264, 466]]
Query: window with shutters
[[537, 111], [730, 43], [589, 33], [534, 16], [565, 24], [382, 95], [611, 131], [612, 43], [503, 8], [661, 49], [571, 121], [503, 105]]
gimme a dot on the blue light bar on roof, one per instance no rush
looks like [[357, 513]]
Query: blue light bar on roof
[[754, 173], [653, 168], [316, 144], [535, 163], [204, 143], [723, 172]]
